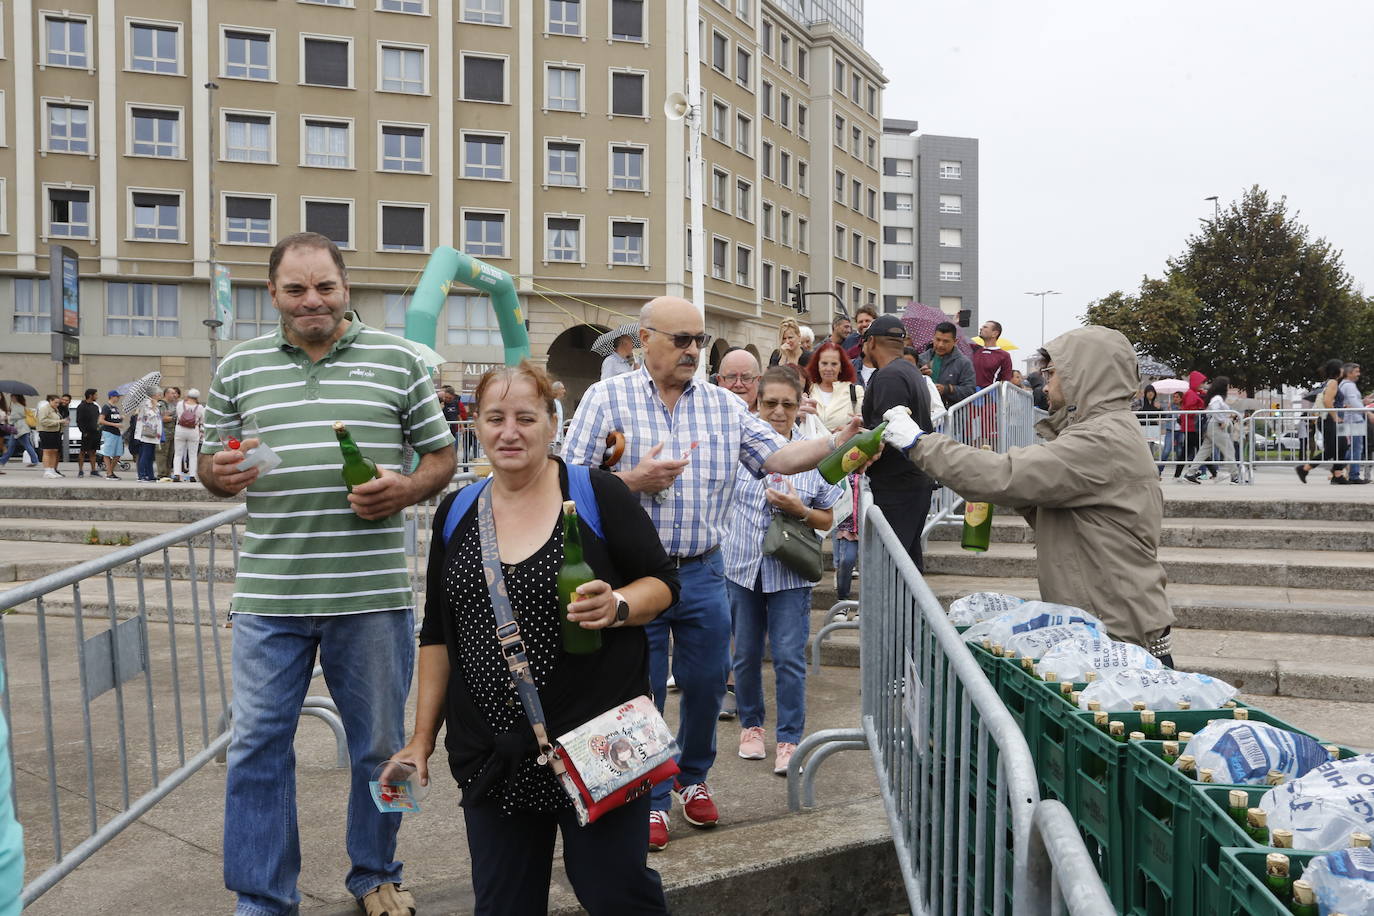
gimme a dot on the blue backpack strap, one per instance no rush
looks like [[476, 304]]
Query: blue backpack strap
[[460, 506], [580, 488]]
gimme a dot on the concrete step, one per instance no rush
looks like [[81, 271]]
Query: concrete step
[[1308, 666], [30, 485], [62, 531], [1236, 533], [1331, 612], [1191, 565], [170, 513], [1318, 501], [25, 560], [1342, 721]]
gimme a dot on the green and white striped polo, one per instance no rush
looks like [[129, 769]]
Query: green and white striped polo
[[305, 550]]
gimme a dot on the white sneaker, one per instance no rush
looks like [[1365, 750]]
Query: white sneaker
[[50, 474]]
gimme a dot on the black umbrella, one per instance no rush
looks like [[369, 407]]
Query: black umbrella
[[10, 386], [606, 342]]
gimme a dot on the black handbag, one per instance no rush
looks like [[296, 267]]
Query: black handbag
[[793, 543]]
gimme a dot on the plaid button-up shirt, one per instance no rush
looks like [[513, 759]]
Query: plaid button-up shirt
[[691, 518], [745, 563]]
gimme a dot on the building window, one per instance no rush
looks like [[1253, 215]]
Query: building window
[[872, 208], [248, 55], [839, 242], [69, 213], [856, 243], [156, 217], [627, 168], [563, 87], [565, 17], [951, 238], [743, 9], [839, 76], [254, 314], [839, 131], [720, 51], [951, 271], [484, 234], [839, 186], [565, 165], [627, 20], [766, 158], [155, 132], [403, 149], [803, 235], [484, 156], [744, 200], [332, 219], [68, 41], [720, 194], [899, 167], [951, 203], [248, 220], [872, 261], [897, 270], [839, 289], [327, 144], [31, 306], [951, 305], [951, 169], [403, 70], [784, 283], [766, 37], [153, 48], [627, 242], [872, 100], [744, 133], [899, 202], [69, 128], [744, 266], [141, 310], [766, 281], [801, 178], [785, 228], [247, 137], [784, 109], [720, 122], [856, 189], [325, 62], [563, 239], [471, 322], [627, 94], [855, 297], [871, 151], [801, 120], [394, 307], [403, 6], [856, 87], [720, 254], [801, 64], [484, 79], [403, 228], [897, 235], [785, 168], [856, 139], [785, 51], [743, 67], [485, 12], [766, 99], [766, 218]]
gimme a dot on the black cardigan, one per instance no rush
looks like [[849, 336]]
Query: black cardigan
[[578, 687]]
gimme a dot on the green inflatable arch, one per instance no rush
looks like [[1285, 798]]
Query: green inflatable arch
[[447, 267]]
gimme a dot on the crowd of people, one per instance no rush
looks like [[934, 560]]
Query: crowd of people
[[163, 436]]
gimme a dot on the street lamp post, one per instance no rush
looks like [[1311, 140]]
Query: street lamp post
[[1042, 294], [1216, 208]]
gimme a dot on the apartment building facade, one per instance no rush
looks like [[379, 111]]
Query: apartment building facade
[[930, 220], [153, 136]]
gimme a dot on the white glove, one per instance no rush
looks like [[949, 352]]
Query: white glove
[[901, 432]]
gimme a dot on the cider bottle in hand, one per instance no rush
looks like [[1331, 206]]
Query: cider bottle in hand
[[357, 467], [572, 575]]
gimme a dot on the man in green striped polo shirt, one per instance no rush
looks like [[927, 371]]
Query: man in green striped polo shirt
[[321, 569]]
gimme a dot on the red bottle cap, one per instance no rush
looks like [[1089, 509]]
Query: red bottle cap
[[234, 443]]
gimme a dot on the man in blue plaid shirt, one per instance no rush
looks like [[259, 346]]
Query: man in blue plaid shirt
[[684, 440]]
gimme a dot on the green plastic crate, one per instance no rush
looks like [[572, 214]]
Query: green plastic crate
[[1159, 832], [1244, 890], [1096, 778], [1052, 740], [1215, 831], [1020, 693]]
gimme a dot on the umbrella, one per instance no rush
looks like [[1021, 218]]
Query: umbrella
[[606, 342], [1002, 343], [920, 321], [136, 392], [1170, 385], [1152, 368], [431, 357], [10, 386]]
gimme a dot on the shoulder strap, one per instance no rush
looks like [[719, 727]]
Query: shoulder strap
[[853, 398], [579, 485], [460, 505]]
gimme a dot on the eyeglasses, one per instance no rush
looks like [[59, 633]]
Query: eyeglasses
[[739, 378], [769, 404], [683, 341]]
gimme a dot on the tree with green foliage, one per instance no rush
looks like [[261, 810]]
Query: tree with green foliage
[[1251, 297]]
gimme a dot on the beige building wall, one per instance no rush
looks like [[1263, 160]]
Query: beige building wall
[[404, 71]]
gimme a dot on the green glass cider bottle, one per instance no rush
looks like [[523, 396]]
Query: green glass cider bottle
[[357, 467], [852, 454], [977, 534], [572, 575]]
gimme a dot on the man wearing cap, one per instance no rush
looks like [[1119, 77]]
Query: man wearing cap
[[900, 489]]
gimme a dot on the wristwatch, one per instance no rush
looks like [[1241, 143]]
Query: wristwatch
[[622, 610]]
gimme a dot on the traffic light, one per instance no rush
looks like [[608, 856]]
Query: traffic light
[[797, 301]]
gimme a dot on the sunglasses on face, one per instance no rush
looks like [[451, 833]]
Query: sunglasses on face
[[683, 341], [772, 404]]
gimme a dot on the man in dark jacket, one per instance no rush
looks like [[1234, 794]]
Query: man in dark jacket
[[951, 370], [88, 421]]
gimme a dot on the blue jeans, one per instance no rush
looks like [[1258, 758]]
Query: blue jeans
[[786, 617], [846, 557], [24, 442], [368, 660], [1354, 451], [700, 624], [147, 453]]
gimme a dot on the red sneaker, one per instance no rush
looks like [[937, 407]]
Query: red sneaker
[[697, 806], [658, 831]]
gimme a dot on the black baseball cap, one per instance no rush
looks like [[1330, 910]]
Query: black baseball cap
[[886, 326]]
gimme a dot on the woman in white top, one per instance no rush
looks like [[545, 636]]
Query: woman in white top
[[834, 386], [1220, 419], [188, 419]]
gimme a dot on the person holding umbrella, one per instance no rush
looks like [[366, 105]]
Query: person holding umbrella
[[621, 357]]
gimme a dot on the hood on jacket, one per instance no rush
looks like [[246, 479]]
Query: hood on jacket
[[1098, 372], [1197, 381]]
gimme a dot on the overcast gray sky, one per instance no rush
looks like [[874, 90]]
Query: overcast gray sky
[[1102, 127]]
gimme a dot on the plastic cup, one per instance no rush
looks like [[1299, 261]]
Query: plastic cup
[[396, 788]]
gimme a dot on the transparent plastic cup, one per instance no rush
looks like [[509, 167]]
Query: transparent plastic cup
[[396, 788]]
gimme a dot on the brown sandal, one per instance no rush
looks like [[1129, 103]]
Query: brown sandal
[[387, 900]]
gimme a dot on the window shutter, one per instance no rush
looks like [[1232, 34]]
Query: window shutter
[[627, 18], [627, 94], [329, 219], [248, 208], [326, 62], [403, 226], [483, 79]]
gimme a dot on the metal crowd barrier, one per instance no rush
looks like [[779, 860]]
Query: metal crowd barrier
[[956, 775]]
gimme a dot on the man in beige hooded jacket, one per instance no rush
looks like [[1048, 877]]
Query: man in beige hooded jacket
[[1090, 491]]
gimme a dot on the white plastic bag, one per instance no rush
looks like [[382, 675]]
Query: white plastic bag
[[1036, 643], [1071, 659], [1243, 752], [1327, 805], [1343, 881], [971, 609], [1158, 688], [1030, 615]]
